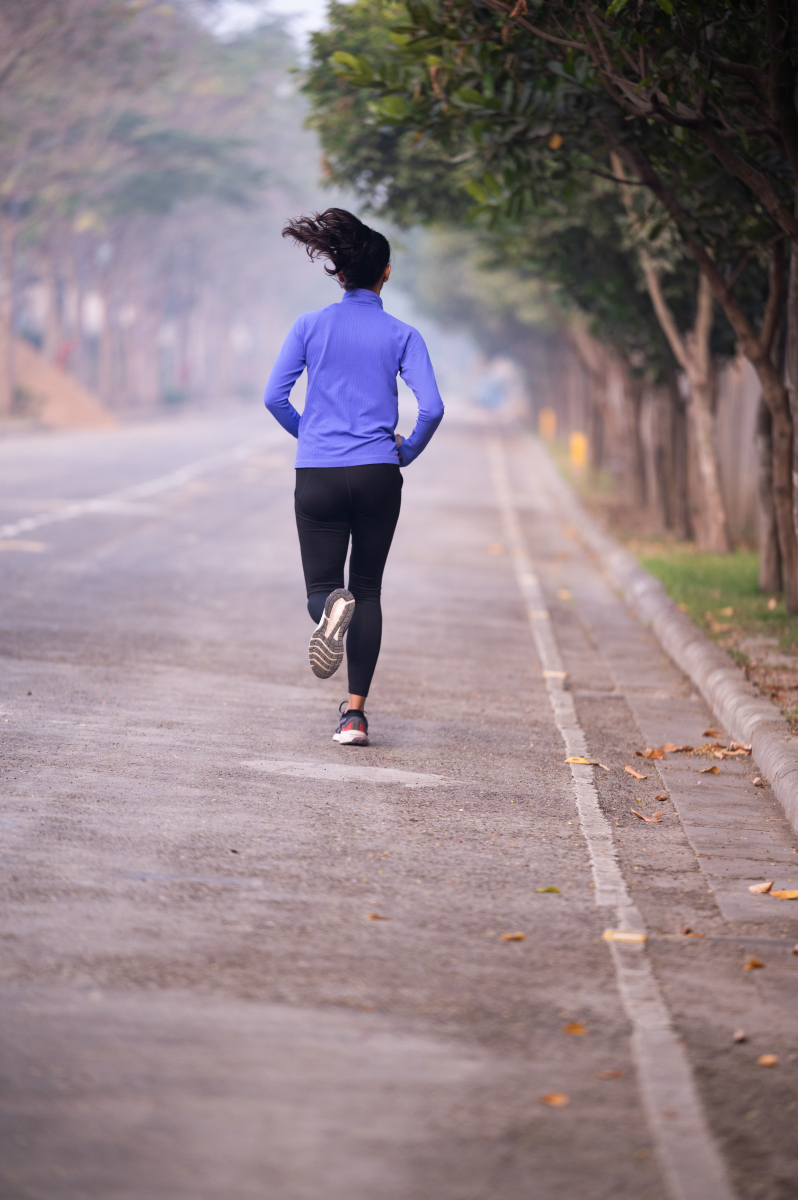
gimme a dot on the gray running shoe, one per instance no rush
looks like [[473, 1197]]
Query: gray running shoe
[[326, 649]]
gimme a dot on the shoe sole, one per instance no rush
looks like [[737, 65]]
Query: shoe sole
[[326, 649], [351, 737]]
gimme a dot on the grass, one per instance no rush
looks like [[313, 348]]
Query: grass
[[706, 586]]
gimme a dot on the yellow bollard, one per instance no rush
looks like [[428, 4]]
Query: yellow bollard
[[547, 424], [577, 451]]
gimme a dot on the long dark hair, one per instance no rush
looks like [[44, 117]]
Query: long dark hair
[[354, 250]]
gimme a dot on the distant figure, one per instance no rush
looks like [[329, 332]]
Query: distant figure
[[348, 482]]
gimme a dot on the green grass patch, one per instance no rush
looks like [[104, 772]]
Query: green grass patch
[[707, 584]]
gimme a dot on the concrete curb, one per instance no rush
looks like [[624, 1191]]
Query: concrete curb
[[747, 715]]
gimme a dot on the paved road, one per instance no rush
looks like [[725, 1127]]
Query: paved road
[[197, 998]]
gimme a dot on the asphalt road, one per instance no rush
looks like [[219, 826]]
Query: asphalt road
[[240, 962]]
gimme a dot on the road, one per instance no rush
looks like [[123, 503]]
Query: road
[[241, 962]]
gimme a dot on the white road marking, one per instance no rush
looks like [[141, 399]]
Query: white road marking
[[693, 1167], [346, 773], [119, 502]]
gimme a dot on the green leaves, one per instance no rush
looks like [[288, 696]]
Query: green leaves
[[394, 108]]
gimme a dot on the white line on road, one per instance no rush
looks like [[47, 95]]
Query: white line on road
[[115, 501], [346, 773], [692, 1163]]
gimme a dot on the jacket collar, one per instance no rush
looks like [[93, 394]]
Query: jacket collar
[[362, 296]]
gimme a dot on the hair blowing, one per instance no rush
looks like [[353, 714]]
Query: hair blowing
[[352, 249]]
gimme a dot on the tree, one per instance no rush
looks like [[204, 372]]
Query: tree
[[521, 110]]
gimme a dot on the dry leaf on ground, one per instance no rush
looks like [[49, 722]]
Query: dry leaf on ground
[[513, 937], [672, 748], [654, 752], [688, 932], [791, 894], [709, 771], [659, 799], [739, 1035], [554, 1099], [712, 733], [609, 1074], [547, 889], [651, 820], [759, 782], [624, 935], [768, 1060], [575, 1027], [752, 964], [759, 889], [585, 762], [376, 917], [632, 771]]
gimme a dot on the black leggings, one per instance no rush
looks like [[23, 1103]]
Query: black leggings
[[332, 504]]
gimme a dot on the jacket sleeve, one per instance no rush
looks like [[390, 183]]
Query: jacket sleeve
[[289, 366], [416, 370]]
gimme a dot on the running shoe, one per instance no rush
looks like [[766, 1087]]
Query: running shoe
[[326, 649], [353, 728]]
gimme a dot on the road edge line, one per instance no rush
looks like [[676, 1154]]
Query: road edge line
[[693, 1166]]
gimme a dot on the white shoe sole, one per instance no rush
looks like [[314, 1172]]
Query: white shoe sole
[[326, 649]]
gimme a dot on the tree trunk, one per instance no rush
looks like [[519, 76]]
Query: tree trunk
[[712, 533], [791, 351], [769, 554], [7, 239], [53, 331]]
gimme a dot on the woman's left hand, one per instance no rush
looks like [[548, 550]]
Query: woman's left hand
[[399, 440]]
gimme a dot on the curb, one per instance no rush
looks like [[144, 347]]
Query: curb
[[747, 715]]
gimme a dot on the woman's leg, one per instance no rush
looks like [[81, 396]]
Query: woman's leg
[[321, 504], [376, 497]]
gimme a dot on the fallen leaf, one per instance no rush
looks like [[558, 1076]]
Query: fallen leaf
[[632, 771], [759, 782], [669, 747], [739, 1035], [575, 1027], [740, 746], [792, 894], [547, 889], [751, 963], [609, 1074], [659, 799], [654, 819], [768, 1060], [585, 762], [654, 752], [709, 771], [513, 937], [555, 1099], [688, 932], [726, 612], [759, 889], [712, 733], [623, 935], [376, 917]]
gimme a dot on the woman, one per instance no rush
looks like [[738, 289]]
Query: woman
[[348, 483]]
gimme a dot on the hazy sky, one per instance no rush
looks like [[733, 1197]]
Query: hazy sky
[[306, 15]]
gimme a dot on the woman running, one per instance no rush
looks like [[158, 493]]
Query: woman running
[[348, 483]]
